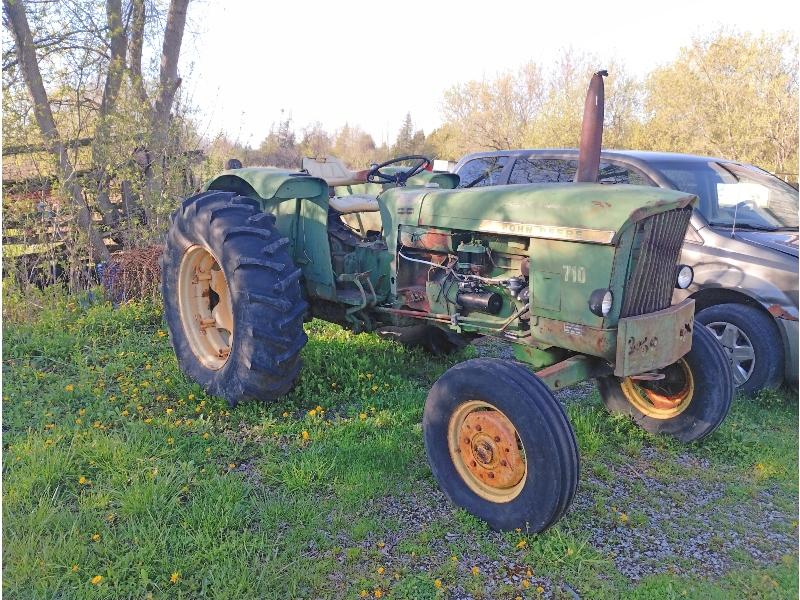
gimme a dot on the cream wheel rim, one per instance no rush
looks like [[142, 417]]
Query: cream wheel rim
[[205, 305]]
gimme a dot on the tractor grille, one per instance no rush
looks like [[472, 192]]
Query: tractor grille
[[656, 246]]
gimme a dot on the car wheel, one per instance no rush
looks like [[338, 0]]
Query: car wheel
[[751, 341]]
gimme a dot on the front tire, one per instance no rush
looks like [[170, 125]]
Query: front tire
[[500, 445], [689, 403], [232, 298], [752, 344]]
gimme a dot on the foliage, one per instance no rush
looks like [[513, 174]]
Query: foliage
[[729, 95]]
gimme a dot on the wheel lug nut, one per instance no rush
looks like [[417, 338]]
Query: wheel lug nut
[[474, 464], [477, 427], [504, 463], [491, 475], [497, 438]]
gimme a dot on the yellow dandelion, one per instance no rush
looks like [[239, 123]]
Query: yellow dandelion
[[369, 375], [231, 465], [312, 412], [362, 416], [191, 396], [475, 570], [82, 411], [305, 435], [78, 421], [206, 435], [437, 584], [170, 441], [125, 413], [374, 388], [377, 593], [539, 590], [50, 426], [160, 333], [529, 573], [95, 537], [454, 558], [170, 411], [285, 414], [381, 544], [75, 568], [570, 551], [333, 385], [110, 517], [148, 420], [363, 594], [83, 481], [208, 450], [517, 529], [96, 579], [522, 544], [526, 584], [380, 570], [175, 577], [69, 387], [623, 518]]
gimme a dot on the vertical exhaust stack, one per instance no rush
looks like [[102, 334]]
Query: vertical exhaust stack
[[592, 130]]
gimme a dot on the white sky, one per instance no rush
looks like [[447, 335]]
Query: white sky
[[368, 63]]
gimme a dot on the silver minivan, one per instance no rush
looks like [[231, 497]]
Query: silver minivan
[[742, 243]]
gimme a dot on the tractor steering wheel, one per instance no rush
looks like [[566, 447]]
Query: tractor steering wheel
[[400, 178]]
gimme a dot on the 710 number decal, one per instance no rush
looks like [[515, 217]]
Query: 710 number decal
[[574, 274]]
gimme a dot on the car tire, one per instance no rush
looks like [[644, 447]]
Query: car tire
[[226, 266], [500, 411], [687, 409], [752, 344]]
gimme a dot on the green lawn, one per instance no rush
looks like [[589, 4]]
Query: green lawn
[[121, 479]]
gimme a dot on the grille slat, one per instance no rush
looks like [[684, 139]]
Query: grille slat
[[656, 248]]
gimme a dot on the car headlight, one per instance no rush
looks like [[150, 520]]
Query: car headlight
[[684, 277], [600, 302]]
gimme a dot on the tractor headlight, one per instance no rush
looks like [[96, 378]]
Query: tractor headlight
[[684, 278], [600, 302]]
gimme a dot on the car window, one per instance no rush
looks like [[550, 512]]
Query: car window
[[732, 193], [543, 170], [611, 173], [482, 171]]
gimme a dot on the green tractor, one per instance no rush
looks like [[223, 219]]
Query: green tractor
[[577, 277]]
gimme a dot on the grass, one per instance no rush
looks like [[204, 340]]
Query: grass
[[123, 479]]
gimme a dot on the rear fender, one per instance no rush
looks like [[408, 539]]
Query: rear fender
[[300, 206]]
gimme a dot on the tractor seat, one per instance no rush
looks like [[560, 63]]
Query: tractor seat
[[354, 203]]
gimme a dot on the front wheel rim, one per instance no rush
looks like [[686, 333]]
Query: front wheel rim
[[487, 451], [738, 348], [665, 398], [205, 305]]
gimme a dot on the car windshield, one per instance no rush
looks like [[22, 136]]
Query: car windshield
[[730, 192]]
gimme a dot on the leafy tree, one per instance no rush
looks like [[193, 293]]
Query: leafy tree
[[728, 95]]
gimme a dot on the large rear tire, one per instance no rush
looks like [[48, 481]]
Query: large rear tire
[[689, 403], [232, 298], [500, 445]]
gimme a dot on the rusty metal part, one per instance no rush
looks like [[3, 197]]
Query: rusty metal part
[[592, 131], [663, 399], [648, 377], [487, 451], [778, 312], [488, 443], [578, 338], [654, 340], [573, 370], [425, 238]]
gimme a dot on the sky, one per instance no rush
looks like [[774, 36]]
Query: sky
[[369, 63]]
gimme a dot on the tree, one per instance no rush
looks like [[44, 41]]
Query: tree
[[14, 11], [409, 141], [355, 147], [315, 141], [495, 114], [729, 95]]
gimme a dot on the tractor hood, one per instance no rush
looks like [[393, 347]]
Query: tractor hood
[[587, 212]]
